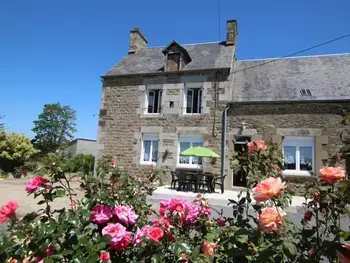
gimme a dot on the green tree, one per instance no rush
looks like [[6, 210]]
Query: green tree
[[15, 149], [54, 128]]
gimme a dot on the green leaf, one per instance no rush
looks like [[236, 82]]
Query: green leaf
[[156, 258], [92, 259], [242, 201], [242, 238], [60, 192], [289, 249], [196, 251], [84, 240], [48, 260], [178, 248]]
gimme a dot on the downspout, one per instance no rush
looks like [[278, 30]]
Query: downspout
[[223, 140]]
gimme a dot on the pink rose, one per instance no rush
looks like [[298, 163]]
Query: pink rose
[[267, 189], [123, 243], [256, 146], [208, 248], [100, 214], [125, 214], [161, 222], [220, 221], [104, 256], [113, 163], [155, 233], [270, 219], [332, 174], [7, 211], [120, 238], [139, 234], [36, 182]]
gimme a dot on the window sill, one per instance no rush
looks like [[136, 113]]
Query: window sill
[[297, 173], [148, 163], [151, 115], [192, 114]]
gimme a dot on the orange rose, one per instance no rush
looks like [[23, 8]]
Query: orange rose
[[257, 146], [270, 219], [209, 248], [267, 189], [332, 174]]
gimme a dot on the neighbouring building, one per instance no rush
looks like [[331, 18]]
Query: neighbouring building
[[84, 146], [158, 101]]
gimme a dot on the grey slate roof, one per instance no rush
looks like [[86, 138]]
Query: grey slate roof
[[151, 60], [326, 76]]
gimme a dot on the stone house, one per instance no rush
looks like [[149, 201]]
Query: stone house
[[158, 101]]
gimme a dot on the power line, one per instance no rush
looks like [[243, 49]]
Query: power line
[[219, 20], [292, 54]]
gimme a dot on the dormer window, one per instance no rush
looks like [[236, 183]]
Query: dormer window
[[176, 57], [173, 62]]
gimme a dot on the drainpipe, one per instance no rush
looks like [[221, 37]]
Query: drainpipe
[[223, 140]]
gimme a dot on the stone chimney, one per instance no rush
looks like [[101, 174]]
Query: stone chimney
[[231, 32], [137, 40]]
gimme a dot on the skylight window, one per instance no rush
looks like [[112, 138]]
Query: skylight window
[[305, 93]]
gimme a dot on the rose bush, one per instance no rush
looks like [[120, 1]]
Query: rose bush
[[114, 223]]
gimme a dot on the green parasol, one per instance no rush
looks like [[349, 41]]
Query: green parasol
[[199, 151]]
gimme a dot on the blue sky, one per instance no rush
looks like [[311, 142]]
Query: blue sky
[[56, 50]]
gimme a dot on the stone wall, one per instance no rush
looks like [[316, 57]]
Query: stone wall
[[123, 120], [270, 121]]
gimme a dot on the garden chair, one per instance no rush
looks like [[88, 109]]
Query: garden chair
[[219, 180], [174, 179]]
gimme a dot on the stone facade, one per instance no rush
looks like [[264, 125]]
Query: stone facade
[[124, 120], [271, 121]]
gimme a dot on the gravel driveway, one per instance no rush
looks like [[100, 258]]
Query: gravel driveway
[[13, 189]]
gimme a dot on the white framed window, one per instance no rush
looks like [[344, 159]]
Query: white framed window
[[193, 98], [153, 100], [149, 149], [299, 155], [185, 142]]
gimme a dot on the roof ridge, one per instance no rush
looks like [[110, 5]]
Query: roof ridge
[[295, 57], [190, 44]]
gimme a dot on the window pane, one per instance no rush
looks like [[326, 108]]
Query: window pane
[[146, 150], [289, 157], [306, 158], [197, 160], [189, 98], [156, 100], [195, 101], [200, 101], [184, 146], [151, 101], [160, 101], [154, 151]]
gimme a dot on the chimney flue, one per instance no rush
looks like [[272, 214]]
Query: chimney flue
[[231, 32], [137, 40]]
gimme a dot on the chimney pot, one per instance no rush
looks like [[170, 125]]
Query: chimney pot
[[137, 40], [231, 32]]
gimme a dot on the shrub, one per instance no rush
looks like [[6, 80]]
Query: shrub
[[114, 223], [15, 149]]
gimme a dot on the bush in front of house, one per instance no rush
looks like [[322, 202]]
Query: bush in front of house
[[114, 223], [15, 149]]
